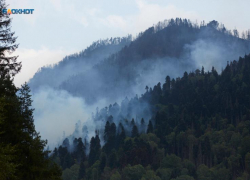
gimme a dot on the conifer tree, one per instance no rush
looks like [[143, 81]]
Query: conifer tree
[[8, 64], [135, 131], [22, 152], [95, 149], [106, 131], [150, 127]]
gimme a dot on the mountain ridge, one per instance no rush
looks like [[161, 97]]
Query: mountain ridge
[[173, 44]]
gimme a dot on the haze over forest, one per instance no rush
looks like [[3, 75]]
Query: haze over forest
[[169, 103], [110, 70]]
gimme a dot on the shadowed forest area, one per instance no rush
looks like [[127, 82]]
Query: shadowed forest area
[[199, 130]]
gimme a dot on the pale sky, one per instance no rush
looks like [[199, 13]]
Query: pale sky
[[60, 27]]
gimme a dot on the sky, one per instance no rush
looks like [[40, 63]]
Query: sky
[[61, 27]]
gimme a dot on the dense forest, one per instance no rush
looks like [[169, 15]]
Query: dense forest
[[199, 129]]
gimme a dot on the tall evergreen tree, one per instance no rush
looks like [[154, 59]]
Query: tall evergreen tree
[[150, 127], [106, 131], [135, 131], [82, 171], [103, 161], [8, 64], [122, 135], [95, 149], [17, 130]]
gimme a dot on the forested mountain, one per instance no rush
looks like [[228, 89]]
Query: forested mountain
[[170, 47], [190, 126], [193, 124], [54, 75], [198, 129]]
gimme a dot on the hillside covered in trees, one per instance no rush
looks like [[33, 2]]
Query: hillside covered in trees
[[192, 125], [170, 47], [71, 65], [199, 129]]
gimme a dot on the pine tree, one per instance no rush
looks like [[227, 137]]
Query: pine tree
[[135, 132], [106, 131], [7, 166], [17, 130], [31, 148], [122, 135], [110, 137], [103, 161], [81, 171], [79, 150], [150, 127], [142, 122], [8, 65], [142, 127], [132, 122], [112, 159], [95, 149], [26, 110]]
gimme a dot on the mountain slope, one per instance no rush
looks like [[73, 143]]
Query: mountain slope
[[173, 47], [54, 75], [199, 130], [116, 68]]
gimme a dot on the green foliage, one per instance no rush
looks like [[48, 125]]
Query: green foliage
[[150, 175], [22, 154], [190, 167], [164, 173], [201, 131], [247, 162], [7, 167], [22, 149], [184, 177], [82, 171], [103, 161], [135, 131], [112, 161], [95, 149], [72, 173], [204, 173], [172, 162], [116, 176], [221, 173], [133, 172], [150, 137], [9, 66], [244, 176], [150, 127], [94, 174]]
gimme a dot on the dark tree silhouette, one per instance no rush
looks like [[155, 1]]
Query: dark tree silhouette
[[8, 64]]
